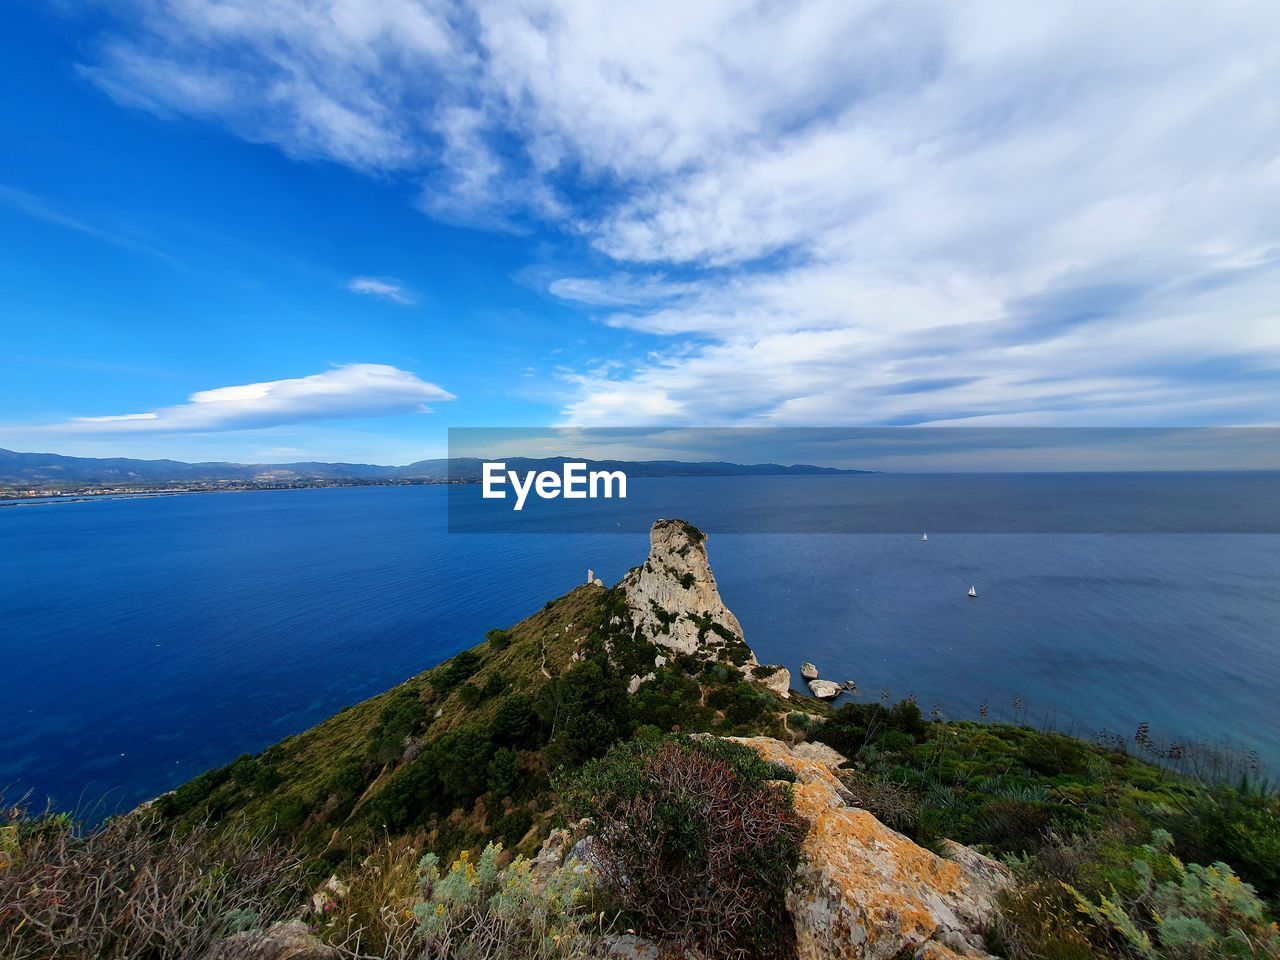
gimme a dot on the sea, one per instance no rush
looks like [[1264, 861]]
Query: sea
[[144, 640]]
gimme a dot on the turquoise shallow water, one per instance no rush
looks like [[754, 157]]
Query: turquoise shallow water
[[144, 640]]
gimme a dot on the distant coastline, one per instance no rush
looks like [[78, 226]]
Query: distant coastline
[[46, 476], [10, 497]]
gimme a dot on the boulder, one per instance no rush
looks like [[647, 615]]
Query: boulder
[[636, 681], [865, 892], [990, 877], [627, 946], [552, 854], [808, 671], [280, 941], [779, 682], [560, 849], [825, 689], [814, 750]]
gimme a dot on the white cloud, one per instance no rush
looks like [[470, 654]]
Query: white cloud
[[356, 390], [838, 212], [618, 290], [384, 288]]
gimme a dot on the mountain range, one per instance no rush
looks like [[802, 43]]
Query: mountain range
[[53, 469]]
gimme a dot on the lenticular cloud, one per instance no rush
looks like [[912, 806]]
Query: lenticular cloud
[[348, 391]]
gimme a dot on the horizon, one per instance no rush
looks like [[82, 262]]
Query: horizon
[[844, 467], [332, 235]]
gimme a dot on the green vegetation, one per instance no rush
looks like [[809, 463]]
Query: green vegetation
[[670, 845], [463, 754], [1108, 849], [1105, 894]]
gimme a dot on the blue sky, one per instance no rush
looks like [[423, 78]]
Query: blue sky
[[275, 229]]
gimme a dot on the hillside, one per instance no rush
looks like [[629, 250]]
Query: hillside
[[465, 750], [617, 775]]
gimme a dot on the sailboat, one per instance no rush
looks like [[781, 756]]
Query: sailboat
[[925, 538], [973, 592]]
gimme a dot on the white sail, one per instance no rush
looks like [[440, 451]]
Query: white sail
[[973, 591], [925, 538]]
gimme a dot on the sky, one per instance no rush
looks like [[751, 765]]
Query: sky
[[272, 230]]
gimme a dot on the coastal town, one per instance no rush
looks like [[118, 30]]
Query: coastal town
[[79, 492]]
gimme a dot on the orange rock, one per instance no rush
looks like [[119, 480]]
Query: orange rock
[[865, 892]]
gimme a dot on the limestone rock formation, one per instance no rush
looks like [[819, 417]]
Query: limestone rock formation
[[779, 681], [636, 681], [674, 601], [673, 597], [865, 892], [825, 689], [281, 941], [808, 671]]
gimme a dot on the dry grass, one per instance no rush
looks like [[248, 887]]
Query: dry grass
[[373, 916], [135, 889], [140, 889]]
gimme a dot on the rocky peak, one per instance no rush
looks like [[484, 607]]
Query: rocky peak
[[674, 601], [673, 596]]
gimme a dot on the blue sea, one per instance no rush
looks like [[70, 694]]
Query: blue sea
[[143, 640]]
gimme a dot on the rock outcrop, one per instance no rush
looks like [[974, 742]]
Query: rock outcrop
[[825, 689], [865, 892], [673, 597], [777, 679], [673, 601], [808, 671], [280, 941]]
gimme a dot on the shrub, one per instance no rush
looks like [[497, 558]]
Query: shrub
[[498, 638], [397, 905], [515, 722], [494, 684], [742, 703], [461, 758], [585, 709], [669, 702], [513, 826], [1239, 826], [135, 888], [693, 842], [192, 796], [453, 672], [477, 909], [1182, 911], [1014, 825], [504, 772], [283, 814], [448, 773], [399, 718], [892, 804], [855, 725]]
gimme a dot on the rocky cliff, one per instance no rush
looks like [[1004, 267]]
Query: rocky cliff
[[674, 602], [865, 892]]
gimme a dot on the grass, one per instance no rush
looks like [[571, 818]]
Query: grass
[[137, 888]]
